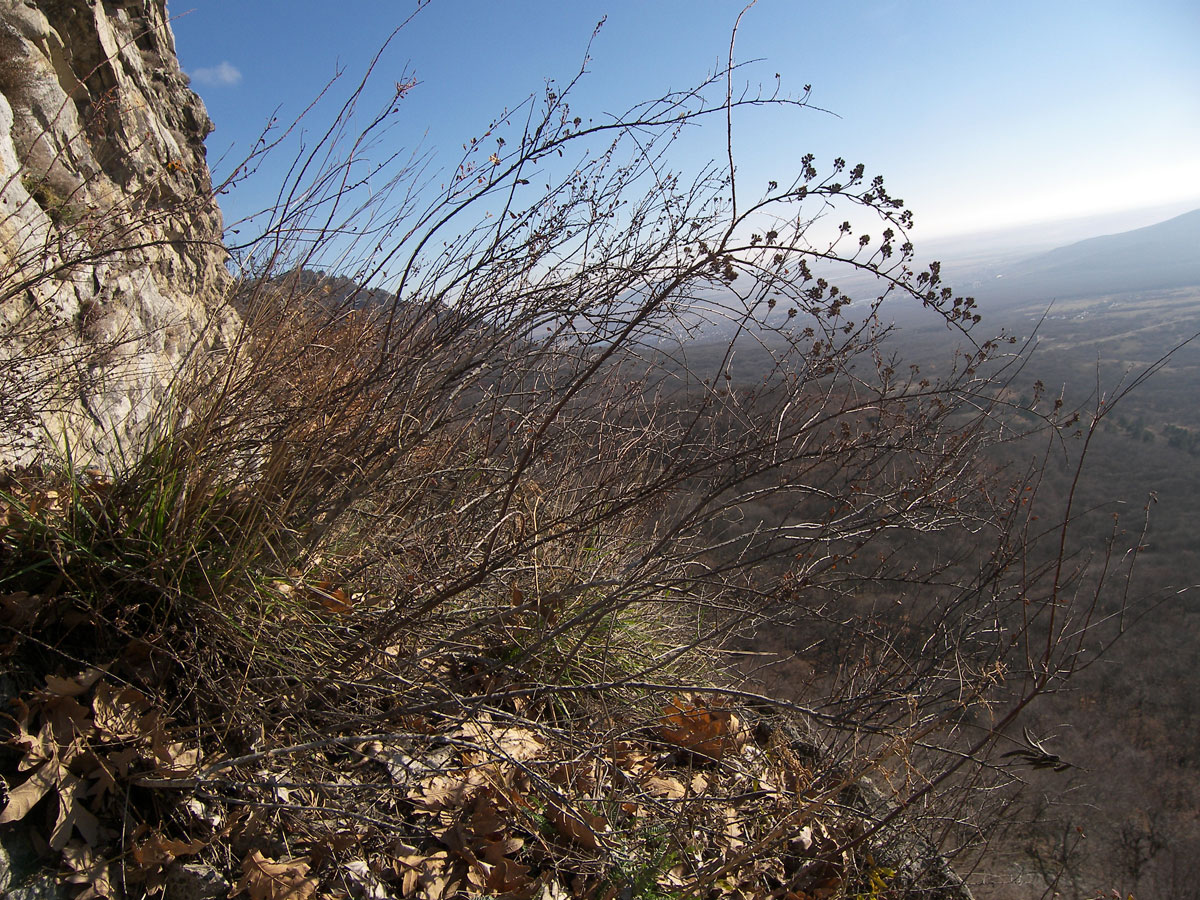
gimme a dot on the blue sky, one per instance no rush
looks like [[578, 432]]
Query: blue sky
[[981, 115]]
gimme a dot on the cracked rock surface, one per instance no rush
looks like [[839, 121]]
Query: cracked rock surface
[[111, 264]]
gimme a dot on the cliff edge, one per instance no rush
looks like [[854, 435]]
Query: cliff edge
[[111, 264]]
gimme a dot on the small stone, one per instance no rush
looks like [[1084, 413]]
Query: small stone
[[22, 874], [194, 881], [44, 886]]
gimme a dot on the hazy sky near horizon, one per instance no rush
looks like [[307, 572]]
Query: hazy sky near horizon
[[981, 115]]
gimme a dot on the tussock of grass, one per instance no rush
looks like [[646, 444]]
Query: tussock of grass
[[171, 585]]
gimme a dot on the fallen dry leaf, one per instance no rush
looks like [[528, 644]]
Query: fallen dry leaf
[[436, 878], [408, 866], [20, 609], [119, 713], [25, 796], [803, 839], [157, 850], [509, 876], [452, 790], [732, 831], [153, 856], [333, 846], [496, 848], [511, 742], [365, 883], [73, 815], [580, 826], [175, 758], [39, 747], [705, 730], [88, 868], [268, 879], [664, 786], [335, 600], [72, 687], [70, 723]]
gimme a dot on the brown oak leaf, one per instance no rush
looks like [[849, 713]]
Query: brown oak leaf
[[268, 879]]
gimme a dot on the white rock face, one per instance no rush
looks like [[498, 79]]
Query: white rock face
[[112, 273]]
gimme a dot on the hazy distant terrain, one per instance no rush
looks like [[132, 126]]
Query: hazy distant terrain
[[1158, 257], [1097, 313], [1101, 311]]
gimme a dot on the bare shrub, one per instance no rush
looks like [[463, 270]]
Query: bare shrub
[[484, 475]]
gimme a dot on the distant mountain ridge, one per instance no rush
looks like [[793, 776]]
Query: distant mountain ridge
[[1161, 256]]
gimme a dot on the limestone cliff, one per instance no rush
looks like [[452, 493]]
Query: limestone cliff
[[111, 266]]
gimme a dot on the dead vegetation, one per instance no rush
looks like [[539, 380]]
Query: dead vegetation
[[434, 592]]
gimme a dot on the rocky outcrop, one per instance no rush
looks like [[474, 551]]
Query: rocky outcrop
[[111, 266]]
